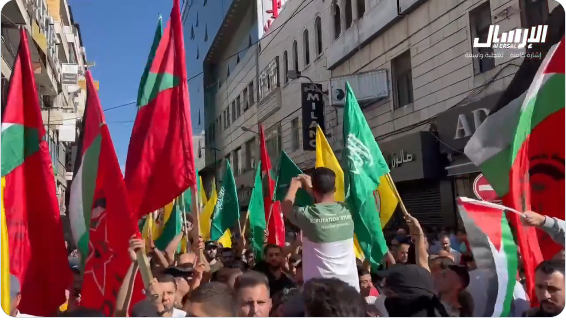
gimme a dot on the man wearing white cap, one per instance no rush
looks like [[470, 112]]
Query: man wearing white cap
[[16, 297]]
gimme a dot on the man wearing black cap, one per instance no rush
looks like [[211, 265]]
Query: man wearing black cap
[[210, 251], [449, 283], [409, 292]]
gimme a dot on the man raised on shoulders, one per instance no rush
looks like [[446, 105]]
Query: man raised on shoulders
[[328, 229]]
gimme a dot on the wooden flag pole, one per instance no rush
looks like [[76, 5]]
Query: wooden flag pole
[[397, 195], [243, 229], [269, 217], [196, 227], [143, 262]]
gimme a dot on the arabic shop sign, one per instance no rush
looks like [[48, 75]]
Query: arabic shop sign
[[397, 159]]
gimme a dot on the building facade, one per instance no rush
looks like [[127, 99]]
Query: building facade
[[439, 89], [59, 61], [411, 63]]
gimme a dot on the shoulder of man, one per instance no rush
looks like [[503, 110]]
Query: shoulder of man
[[531, 312]]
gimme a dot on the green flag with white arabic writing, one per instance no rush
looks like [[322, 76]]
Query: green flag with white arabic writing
[[227, 210], [363, 165]]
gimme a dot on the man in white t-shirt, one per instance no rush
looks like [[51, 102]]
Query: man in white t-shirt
[[328, 229]]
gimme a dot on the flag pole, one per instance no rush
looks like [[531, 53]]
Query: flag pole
[[196, 228], [269, 217], [243, 229], [392, 184], [184, 217], [143, 262]]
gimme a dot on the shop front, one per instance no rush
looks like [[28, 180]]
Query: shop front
[[455, 127], [417, 170]]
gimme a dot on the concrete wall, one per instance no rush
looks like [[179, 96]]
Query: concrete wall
[[295, 17], [437, 34]]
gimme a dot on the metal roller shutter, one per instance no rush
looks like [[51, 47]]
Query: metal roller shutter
[[422, 200]]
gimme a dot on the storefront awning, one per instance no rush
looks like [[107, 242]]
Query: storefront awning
[[464, 166]]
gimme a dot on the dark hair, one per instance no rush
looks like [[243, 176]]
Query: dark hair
[[270, 246], [282, 297], [323, 180], [445, 262], [164, 278], [251, 279], [223, 275], [236, 264], [216, 299], [83, 312], [363, 272], [100, 202], [550, 267], [331, 297]]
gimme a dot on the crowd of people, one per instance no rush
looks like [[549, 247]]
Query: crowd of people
[[427, 272]]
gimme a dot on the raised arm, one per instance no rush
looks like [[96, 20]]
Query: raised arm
[[124, 296]]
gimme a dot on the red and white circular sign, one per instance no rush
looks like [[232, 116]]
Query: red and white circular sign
[[483, 190]]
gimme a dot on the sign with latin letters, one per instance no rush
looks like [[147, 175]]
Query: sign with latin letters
[[313, 113]]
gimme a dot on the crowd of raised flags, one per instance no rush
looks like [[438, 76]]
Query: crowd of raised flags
[[161, 187]]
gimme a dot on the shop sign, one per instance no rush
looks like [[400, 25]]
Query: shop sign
[[269, 78], [456, 125], [397, 159], [272, 12], [464, 128], [313, 113], [69, 74]]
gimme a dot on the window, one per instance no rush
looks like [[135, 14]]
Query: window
[[251, 91], [337, 28], [228, 73], [234, 111], [238, 107], [205, 32], [306, 51], [361, 8], [285, 66], [245, 99], [480, 20], [402, 79], [348, 13], [227, 116], [236, 161], [295, 56], [251, 152], [318, 35], [199, 149], [295, 134]]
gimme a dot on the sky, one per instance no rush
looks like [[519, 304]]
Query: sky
[[117, 36]]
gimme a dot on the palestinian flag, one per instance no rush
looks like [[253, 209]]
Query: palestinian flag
[[160, 163], [495, 254], [100, 217], [520, 150], [32, 226]]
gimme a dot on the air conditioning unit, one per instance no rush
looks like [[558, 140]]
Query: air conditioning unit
[[368, 87]]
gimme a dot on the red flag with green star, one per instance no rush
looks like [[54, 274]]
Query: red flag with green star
[[160, 163], [37, 252], [101, 219]]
